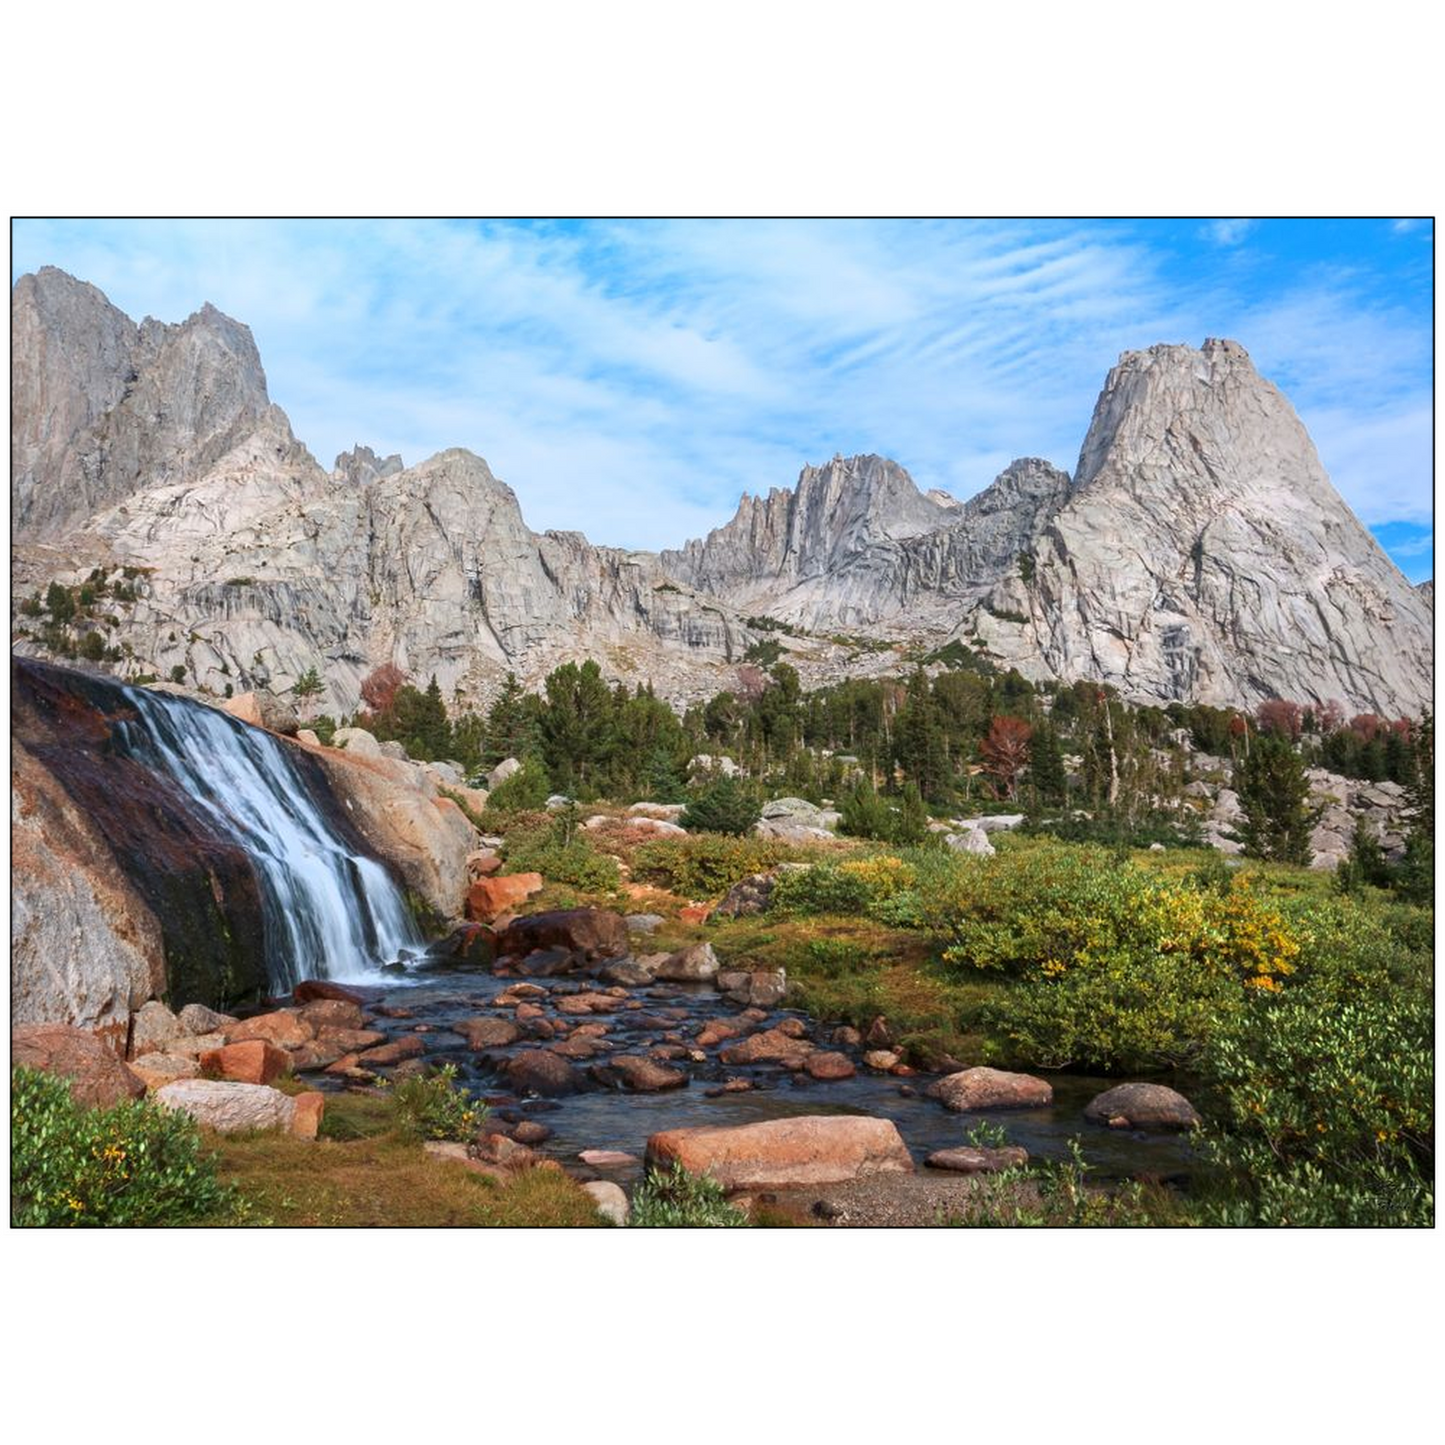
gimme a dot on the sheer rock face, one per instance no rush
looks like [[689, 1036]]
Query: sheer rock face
[[361, 465], [821, 554], [103, 408], [1204, 554]]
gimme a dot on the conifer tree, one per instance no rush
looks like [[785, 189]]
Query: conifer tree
[[1274, 795]]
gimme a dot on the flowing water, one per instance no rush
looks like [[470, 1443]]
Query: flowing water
[[330, 912]]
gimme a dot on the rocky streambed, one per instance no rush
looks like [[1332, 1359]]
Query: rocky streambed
[[603, 1066]]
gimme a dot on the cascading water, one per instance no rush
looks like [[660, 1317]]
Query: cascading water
[[329, 912]]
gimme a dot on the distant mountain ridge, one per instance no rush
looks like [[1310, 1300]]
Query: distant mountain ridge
[[1199, 551]]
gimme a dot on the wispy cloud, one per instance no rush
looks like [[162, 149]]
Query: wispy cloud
[[1228, 232], [632, 379]]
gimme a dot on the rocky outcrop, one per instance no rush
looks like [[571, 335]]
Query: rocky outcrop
[[103, 408], [1203, 554], [399, 812], [97, 1076]]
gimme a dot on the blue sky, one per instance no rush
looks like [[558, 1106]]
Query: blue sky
[[631, 380]]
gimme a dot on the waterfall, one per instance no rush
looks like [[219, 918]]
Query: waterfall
[[329, 912]]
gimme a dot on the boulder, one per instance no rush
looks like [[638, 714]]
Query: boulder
[[793, 810], [488, 1033], [1142, 1106], [332, 1013], [98, 1078], [502, 772], [489, 898], [971, 840], [306, 1120], [982, 1088], [695, 964], [666, 812], [978, 1161], [153, 1026], [638, 1075], [762, 990], [483, 863], [537, 1071], [786, 1153], [749, 896], [157, 1070], [266, 710], [408, 1046], [229, 1108], [285, 1028], [718, 1031], [312, 989], [769, 1047], [347, 1041], [628, 972], [196, 1018], [644, 922], [610, 1200], [529, 1131], [829, 1066], [593, 932], [253, 1061], [608, 1159]]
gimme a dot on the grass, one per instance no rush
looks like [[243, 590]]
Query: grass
[[361, 1172]]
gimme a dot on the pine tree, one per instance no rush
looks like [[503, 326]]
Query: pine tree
[[511, 729], [1274, 795], [920, 741], [1046, 766]]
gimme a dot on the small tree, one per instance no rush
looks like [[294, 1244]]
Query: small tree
[[726, 806], [1274, 795], [307, 688], [1005, 752]]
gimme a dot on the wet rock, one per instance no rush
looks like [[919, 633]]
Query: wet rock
[[538, 1071], [489, 898], [793, 1028], [628, 972], [695, 964], [847, 1037], [319, 988], [638, 1075], [285, 1028], [731, 1086], [548, 963], [760, 990], [881, 1060], [488, 1033], [610, 1200], [770, 1046], [332, 1013], [98, 1078], [579, 1048], [472, 943], [593, 932], [530, 1132], [408, 1046], [718, 1031], [1142, 1106], [609, 1159], [786, 1153], [254, 1061], [829, 1066], [982, 1088], [348, 1041], [410, 1069], [587, 1003], [978, 1161], [196, 1018], [229, 1108], [878, 1036], [152, 1026], [494, 1148]]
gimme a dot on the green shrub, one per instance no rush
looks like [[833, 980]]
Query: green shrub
[[823, 888], [706, 866], [678, 1200], [133, 1164], [1328, 1110], [728, 805], [560, 855], [527, 789], [431, 1106]]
